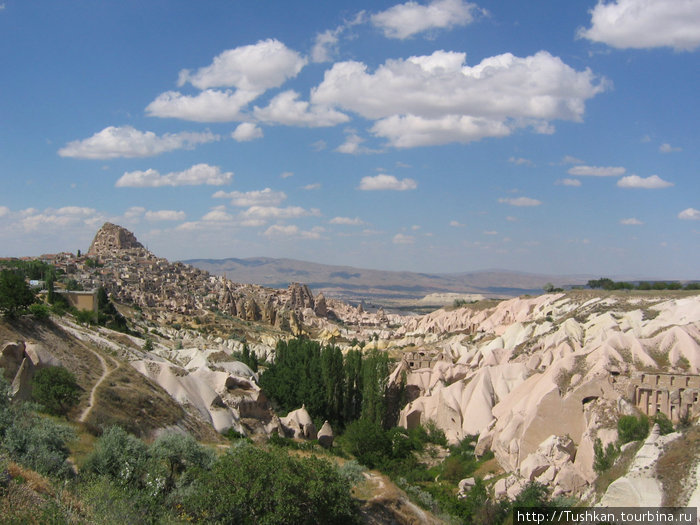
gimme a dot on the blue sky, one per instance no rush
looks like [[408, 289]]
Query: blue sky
[[443, 136]]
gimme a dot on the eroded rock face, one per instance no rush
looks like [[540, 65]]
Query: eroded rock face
[[298, 424], [111, 238], [300, 296], [325, 435]]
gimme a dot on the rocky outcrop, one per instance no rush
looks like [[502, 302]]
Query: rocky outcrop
[[300, 296], [20, 361], [298, 424], [111, 238], [325, 435]]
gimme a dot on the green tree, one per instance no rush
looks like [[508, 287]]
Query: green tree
[[118, 456], [630, 428], [56, 389], [176, 453], [249, 485], [15, 294], [375, 375]]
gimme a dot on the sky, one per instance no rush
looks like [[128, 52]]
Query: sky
[[434, 136]]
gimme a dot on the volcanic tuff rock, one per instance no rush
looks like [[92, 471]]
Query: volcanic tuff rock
[[112, 238]]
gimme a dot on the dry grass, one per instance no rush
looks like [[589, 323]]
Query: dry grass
[[676, 465]]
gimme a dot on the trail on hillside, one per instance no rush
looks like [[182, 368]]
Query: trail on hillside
[[106, 371]]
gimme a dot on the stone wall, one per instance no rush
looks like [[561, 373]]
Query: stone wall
[[421, 359], [674, 395]]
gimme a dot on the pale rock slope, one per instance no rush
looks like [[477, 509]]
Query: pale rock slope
[[529, 370]]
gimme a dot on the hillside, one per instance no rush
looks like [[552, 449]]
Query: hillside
[[383, 287]]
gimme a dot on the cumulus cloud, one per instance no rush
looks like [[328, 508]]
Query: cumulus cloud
[[597, 171], [114, 142], [689, 214], [642, 24], [568, 159], [313, 186], [253, 68], [353, 145], [165, 215], [667, 148], [653, 182], [207, 106], [437, 99], [568, 182], [51, 220], [287, 109], [401, 238], [325, 45], [405, 20], [266, 197], [520, 161], [265, 213], [520, 201], [348, 221], [197, 175], [278, 230], [386, 182], [631, 222], [456, 224], [246, 131]]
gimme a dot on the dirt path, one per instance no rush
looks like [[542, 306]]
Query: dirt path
[[105, 373]]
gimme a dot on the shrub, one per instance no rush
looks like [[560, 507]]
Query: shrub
[[40, 311], [630, 428], [368, 442], [119, 456], [56, 389], [173, 454], [352, 471], [36, 442], [251, 485], [665, 425], [604, 458], [15, 294]]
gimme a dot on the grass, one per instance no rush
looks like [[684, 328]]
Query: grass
[[676, 465], [618, 470]]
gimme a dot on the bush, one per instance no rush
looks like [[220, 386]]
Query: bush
[[15, 294], [173, 454], [665, 425], [630, 428], [40, 311], [250, 485], [56, 389], [368, 442], [604, 458], [118, 456], [37, 442]]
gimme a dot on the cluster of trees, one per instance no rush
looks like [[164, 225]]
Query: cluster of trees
[[608, 284], [15, 294], [338, 388]]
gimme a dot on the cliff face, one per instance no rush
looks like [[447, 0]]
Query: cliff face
[[112, 237]]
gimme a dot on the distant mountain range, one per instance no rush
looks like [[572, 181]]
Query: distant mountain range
[[360, 284]]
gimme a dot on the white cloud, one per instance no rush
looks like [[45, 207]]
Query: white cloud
[[256, 67], [286, 109], [286, 174], [325, 45], [457, 224], [568, 182], [386, 182], [348, 221], [272, 212], [568, 159], [277, 230], [218, 214], [266, 197], [409, 131], [197, 175], [319, 145], [631, 222], [597, 171], [55, 221], [400, 238], [520, 161], [667, 148], [113, 142], [314, 186], [4, 210], [642, 24], [490, 232], [353, 145], [520, 201], [246, 131], [689, 214], [437, 99], [405, 20], [207, 106], [165, 215], [650, 183]]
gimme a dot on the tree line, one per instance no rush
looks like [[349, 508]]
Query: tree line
[[608, 284], [333, 387]]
